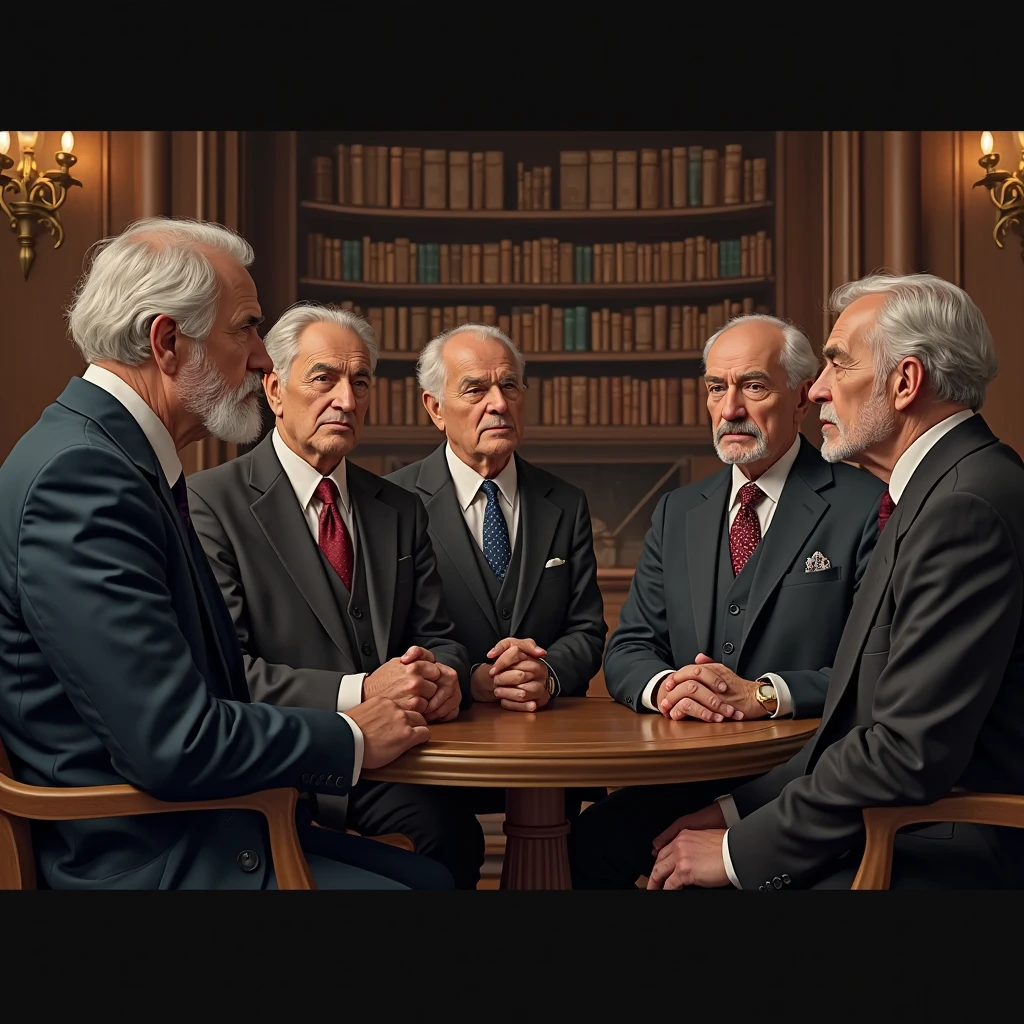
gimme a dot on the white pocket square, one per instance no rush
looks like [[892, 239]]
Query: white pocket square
[[554, 561], [817, 562]]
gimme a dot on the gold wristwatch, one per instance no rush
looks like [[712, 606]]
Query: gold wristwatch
[[766, 696], [550, 681]]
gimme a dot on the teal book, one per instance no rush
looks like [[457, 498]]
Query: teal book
[[588, 264], [578, 259], [695, 179], [569, 329], [582, 323], [346, 260]]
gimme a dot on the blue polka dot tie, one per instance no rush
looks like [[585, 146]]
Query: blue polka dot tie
[[497, 549]]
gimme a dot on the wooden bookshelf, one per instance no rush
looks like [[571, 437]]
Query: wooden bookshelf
[[616, 464]]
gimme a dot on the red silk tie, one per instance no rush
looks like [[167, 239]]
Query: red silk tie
[[885, 510], [335, 541], [745, 533]]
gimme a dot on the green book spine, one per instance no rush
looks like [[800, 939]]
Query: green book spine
[[357, 260], [588, 264], [578, 258], [346, 260], [435, 262], [569, 329], [582, 323], [695, 164]]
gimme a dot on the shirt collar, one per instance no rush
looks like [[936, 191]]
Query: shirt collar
[[772, 480], [304, 478], [151, 425], [467, 480], [912, 457]]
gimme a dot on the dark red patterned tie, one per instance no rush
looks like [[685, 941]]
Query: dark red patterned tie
[[335, 541], [885, 510], [745, 533]]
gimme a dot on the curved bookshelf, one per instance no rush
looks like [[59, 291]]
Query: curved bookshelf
[[539, 216]]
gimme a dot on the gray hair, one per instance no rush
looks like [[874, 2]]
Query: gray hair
[[155, 266], [933, 320], [282, 340], [430, 369], [797, 357]]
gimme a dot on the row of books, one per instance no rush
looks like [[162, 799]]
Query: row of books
[[537, 261], [565, 401], [412, 177], [545, 328]]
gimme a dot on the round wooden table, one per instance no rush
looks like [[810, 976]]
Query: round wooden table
[[580, 741]]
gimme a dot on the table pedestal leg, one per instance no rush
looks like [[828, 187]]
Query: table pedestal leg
[[536, 853]]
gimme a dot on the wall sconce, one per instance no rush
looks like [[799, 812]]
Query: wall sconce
[[42, 195], [1005, 189]]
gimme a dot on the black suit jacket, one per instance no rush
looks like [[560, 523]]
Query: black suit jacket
[[794, 618], [560, 607], [294, 644], [927, 689], [119, 663]]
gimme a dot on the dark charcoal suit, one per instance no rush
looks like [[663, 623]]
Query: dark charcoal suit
[[560, 606], [119, 663], [300, 630], [772, 617], [927, 690]]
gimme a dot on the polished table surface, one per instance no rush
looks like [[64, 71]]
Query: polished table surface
[[591, 741]]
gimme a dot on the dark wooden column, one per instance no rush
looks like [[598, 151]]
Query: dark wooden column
[[901, 201], [155, 174]]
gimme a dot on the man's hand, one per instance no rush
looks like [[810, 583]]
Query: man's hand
[[519, 679], [707, 817], [692, 858], [387, 730], [444, 705], [411, 681], [481, 685], [709, 691]]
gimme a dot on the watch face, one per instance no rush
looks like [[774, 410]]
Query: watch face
[[765, 691]]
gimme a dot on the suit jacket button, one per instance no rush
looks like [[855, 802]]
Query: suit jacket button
[[786, 879], [728, 647], [320, 781], [341, 782], [629, 701], [330, 780], [365, 650], [506, 613], [760, 888], [305, 779], [248, 860], [356, 612], [734, 609], [777, 882]]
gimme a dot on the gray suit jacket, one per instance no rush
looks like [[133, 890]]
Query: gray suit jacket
[[560, 607], [794, 618], [294, 644], [119, 663], [927, 689]]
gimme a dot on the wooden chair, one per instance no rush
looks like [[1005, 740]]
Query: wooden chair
[[20, 803], [882, 823]]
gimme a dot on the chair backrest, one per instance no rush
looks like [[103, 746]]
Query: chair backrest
[[17, 864]]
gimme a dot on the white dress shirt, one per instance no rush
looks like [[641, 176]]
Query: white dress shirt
[[163, 445], [771, 481], [904, 469]]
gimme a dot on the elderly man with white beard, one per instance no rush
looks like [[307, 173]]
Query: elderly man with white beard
[[742, 589], [118, 659]]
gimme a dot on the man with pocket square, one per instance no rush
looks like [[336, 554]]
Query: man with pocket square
[[743, 587], [514, 543]]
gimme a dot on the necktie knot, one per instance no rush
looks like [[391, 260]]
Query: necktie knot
[[750, 495], [885, 509], [490, 488], [327, 491]]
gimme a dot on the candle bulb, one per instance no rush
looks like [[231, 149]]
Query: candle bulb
[[5, 142], [1020, 139], [27, 140], [67, 142], [987, 143]]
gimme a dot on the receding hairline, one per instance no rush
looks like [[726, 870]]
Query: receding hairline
[[301, 337], [779, 336]]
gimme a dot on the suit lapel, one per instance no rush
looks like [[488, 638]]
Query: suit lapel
[[703, 537], [538, 519], [799, 511], [377, 529], [448, 528], [283, 524]]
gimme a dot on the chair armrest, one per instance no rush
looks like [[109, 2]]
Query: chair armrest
[[882, 823], [40, 803]]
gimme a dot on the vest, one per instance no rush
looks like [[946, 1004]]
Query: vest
[[355, 609], [731, 599], [503, 592]]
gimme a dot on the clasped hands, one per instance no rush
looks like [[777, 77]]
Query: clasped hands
[[708, 691], [517, 677], [689, 852], [417, 682]]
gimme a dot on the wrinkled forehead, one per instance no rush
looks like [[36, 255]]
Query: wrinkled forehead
[[466, 355]]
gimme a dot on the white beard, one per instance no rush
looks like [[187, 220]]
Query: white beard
[[874, 425], [227, 413]]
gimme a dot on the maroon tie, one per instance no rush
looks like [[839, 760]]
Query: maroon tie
[[334, 539], [745, 534], [885, 510]]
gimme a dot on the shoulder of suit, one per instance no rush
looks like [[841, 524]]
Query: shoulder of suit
[[229, 474], [405, 477], [856, 483], [550, 482], [392, 490]]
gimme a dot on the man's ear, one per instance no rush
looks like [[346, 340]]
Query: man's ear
[[433, 407], [272, 389], [909, 382], [164, 340]]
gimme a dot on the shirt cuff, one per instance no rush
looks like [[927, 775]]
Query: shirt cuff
[[785, 698], [729, 870], [648, 694], [357, 757], [729, 810], [558, 689], [350, 692]]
